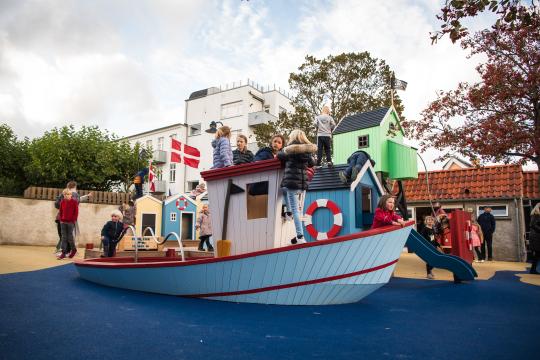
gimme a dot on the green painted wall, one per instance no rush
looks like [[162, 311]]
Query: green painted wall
[[385, 147], [402, 161]]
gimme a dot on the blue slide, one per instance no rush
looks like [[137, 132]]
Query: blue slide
[[462, 270]]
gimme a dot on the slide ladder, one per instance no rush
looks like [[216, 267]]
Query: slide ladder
[[462, 270]]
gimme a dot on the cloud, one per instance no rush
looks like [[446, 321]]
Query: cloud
[[129, 68]]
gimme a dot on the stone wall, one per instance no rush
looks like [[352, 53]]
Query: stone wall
[[31, 222]]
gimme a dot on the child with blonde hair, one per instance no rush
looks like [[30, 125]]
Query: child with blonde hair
[[112, 233], [297, 156], [477, 238], [67, 214], [223, 155]]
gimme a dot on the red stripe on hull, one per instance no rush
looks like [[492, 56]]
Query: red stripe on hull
[[296, 284]]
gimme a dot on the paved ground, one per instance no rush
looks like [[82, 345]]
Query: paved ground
[[28, 258]]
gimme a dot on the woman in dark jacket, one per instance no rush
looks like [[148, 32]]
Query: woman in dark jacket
[[297, 156], [270, 152], [534, 237], [242, 155]]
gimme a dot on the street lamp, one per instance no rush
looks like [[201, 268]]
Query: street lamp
[[213, 127]]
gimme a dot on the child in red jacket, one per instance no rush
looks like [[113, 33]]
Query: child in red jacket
[[68, 213], [385, 214]]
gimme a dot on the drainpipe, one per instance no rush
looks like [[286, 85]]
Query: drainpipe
[[518, 228], [185, 142]]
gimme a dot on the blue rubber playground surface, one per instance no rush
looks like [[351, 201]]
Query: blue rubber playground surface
[[53, 314]]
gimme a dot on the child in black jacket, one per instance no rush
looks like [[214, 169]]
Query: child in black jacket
[[112, 233], [429, 234]]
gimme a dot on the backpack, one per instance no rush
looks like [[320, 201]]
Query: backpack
[[58, 200]]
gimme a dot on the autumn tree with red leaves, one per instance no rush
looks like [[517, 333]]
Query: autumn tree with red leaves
[[509, 12], [497, 119]]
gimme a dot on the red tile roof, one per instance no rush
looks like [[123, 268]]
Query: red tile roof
[[489, 182], [530, 185]]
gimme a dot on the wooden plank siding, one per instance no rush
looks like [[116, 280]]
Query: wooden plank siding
[[98, 197]]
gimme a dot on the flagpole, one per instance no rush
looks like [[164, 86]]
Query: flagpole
[[392, 84], [148, 185]]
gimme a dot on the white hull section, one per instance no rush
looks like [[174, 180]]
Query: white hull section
[[336, 271]]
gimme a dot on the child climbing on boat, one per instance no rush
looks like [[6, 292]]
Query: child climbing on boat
[[112, 233], [223, 155], [428, 234], [205, 226], [385, 214], [297, 156]]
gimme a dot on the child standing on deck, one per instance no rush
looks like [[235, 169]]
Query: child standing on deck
[[324, 125], [477, 238], [223, 155], [111, 233], [205, 226], [385, 214], [68, 213], [428, 234], [297, 156]]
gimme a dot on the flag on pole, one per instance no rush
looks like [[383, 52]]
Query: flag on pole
[[398, 84], [191, 154], [151, 178]]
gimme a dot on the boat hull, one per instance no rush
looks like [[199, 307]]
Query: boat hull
[[335, 271]]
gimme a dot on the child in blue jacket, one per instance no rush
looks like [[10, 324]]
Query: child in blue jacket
[[223, 155]]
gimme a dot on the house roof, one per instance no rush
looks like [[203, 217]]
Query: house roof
[[530, 185], [490, 182], [361, 120], [177, 196], [148, 197], [328, 178]]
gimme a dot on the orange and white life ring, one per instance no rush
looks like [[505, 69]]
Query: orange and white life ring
[[338, 219], [181, 203]]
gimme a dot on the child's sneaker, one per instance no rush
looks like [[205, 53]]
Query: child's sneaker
[[430, 276], [300, 239], [210, 249], [61, 256], [72, 253], [288, 216]]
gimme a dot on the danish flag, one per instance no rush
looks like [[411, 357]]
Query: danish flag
[[151, 178], [191, 155]]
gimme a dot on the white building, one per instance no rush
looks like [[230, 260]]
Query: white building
[[240, 106]]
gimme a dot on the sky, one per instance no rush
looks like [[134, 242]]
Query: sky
[[127, 66]]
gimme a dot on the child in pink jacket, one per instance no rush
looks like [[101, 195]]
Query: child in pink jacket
[[477, 239]]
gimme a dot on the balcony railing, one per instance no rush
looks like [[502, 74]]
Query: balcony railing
[[260, 117], [159, 157]]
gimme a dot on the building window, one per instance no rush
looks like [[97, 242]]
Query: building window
[[195, 129], [363, 141], [173, 216], [496, 210], [160, 143], [191, 185], [148, 144], [172, 172], [257, 200], [231, 110], [282, 110], [159, 173], [173, 136]]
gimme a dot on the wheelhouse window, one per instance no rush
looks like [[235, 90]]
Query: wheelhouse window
[[173, 216], [257, 200], [363, 141]]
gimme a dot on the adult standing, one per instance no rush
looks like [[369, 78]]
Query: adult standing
[[534, 237], [325, 125], [487, 223]]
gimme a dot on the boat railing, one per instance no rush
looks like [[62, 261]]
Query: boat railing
[[153, 236]]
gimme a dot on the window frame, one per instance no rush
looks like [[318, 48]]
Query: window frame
[[172, 173], [366, 140], [195, 129], [480, 209], [172, 217]]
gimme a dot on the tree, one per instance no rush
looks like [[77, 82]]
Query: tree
[[497, 119], [509, 12], [95, 159], [13, 158], [349, 83]]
